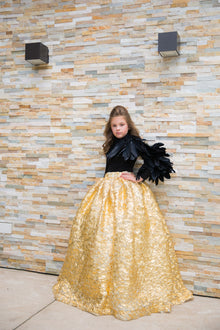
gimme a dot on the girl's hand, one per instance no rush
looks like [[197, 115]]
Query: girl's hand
[[130, 177]]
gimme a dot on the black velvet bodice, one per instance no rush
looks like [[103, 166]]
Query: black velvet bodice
[[122, 155], [119, 164], [124, 152]]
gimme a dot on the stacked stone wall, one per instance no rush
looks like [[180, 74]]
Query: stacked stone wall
[[104, 53]]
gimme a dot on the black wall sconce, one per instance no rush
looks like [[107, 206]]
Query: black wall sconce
[[168, 44], [36, 53]]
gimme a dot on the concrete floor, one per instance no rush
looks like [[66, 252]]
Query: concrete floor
[[27, 303]]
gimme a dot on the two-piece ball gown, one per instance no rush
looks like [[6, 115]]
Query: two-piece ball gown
[[120, 259]]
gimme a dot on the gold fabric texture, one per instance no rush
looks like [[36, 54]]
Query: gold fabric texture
[[121, 258]]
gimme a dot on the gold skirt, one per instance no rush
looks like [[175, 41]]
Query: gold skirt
[[121, 258]]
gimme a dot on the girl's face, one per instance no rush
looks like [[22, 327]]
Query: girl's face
[[119, 126]]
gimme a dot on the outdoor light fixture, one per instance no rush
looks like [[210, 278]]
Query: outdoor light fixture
[[36, 53], [168, 44]]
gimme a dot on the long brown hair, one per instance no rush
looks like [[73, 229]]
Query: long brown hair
[[118, 110]]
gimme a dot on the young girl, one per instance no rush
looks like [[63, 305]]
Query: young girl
[[121, 259]]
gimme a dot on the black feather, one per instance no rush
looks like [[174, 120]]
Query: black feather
[[157, 165]]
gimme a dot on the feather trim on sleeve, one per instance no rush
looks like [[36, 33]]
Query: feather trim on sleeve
[[157, 165]]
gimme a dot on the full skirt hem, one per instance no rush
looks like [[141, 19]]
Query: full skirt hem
[[120, 259]]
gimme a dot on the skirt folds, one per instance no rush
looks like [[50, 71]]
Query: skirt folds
[[120, 258]]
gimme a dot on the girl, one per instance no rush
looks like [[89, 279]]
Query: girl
[[121, 259]]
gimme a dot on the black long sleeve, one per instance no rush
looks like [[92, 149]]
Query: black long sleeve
[[124, 152], [157, 164]]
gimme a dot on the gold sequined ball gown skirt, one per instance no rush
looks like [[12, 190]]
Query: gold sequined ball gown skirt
[[120, 259]]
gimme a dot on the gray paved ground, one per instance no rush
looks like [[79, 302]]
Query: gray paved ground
[[27, 303]]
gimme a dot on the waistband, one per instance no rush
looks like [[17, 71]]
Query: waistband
[[114, 174]]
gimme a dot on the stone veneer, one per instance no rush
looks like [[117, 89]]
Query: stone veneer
[[104, 53]]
